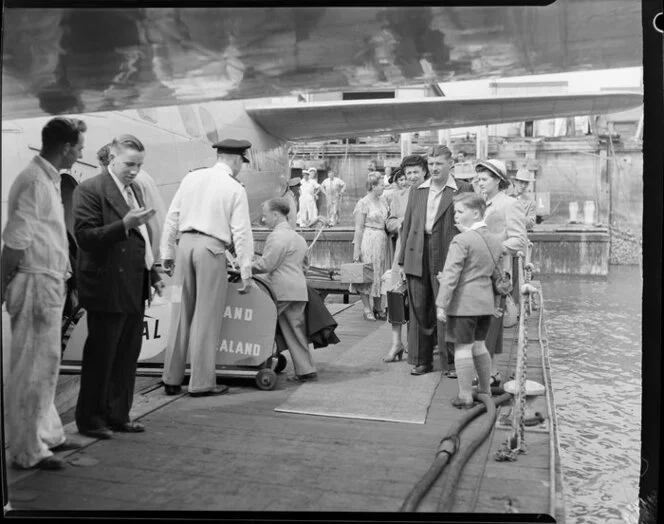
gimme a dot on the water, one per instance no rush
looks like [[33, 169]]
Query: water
[[594, 329]]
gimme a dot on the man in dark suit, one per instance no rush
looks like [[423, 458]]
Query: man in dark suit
[[114, 274], [426, 232]]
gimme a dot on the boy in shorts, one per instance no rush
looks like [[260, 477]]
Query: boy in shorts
[[466, 300]]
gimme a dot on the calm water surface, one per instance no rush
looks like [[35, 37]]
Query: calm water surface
[[594, 331]]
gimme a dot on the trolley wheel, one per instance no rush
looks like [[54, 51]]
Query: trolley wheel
[[266, 379], [282, 362]]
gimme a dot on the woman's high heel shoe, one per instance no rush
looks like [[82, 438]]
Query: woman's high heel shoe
[[398, 355]]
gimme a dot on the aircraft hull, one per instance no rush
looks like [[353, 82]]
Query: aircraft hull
[[74, 60]]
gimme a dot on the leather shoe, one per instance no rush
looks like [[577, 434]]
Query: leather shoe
[[100, 433], [172, 390], [422, 369], [217, 390], [129, 427], [67, 445]]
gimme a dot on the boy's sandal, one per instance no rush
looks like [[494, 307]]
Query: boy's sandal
[[496, 380]]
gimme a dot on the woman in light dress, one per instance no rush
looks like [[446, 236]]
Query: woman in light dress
[[504, 216], [370, 243], [415, 171]]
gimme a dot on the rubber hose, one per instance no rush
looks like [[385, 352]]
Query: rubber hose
[[454, 471], [444, 454]]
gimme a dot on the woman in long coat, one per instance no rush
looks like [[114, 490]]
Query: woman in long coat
[[505, 218]]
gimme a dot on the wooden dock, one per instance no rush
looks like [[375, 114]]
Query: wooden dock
[[236, 453]]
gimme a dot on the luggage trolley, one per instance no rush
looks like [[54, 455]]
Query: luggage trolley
[[247, 340]]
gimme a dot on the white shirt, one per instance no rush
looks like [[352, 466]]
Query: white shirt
[[36, 220], [142, 229], [433, 200], [478, 225], [211, 201], [333, 188], [309, 187]]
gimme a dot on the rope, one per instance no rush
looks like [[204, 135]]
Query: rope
[[516, 442]]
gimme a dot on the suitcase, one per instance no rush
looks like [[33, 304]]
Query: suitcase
[[357, 273], [397, 305]]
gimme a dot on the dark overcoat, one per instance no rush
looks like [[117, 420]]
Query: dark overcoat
[[110, 269], [412, 229]]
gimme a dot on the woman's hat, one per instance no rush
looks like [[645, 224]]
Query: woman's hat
[[495, 166], [525, 175]]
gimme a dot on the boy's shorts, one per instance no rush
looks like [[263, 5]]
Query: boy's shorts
[[466, 330]]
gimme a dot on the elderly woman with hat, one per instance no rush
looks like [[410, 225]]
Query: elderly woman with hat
[[308, 194], [522, 180], [504, 217]]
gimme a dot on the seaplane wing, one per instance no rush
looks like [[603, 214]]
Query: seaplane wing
[[81, 60], [323, 120]]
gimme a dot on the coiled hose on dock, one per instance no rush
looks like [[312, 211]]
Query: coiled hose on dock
[[449, 445]]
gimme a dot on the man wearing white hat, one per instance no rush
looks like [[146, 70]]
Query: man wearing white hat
[[522, 180], [308, 194]]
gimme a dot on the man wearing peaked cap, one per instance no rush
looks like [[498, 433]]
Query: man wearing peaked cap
[[211, 211], [522, 180], [233, 147]]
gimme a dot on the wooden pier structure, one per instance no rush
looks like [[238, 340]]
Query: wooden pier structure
[[235, 452]]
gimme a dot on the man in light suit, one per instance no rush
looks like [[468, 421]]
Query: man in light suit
[[114, 275], [466, 300], [283, 260], [426, 233]]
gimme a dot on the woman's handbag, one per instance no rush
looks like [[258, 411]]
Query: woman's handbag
[[502, 283], [397, 305]]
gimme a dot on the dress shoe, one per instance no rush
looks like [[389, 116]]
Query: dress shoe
[[172, 390], [100, 433], [309, 376], [67, 445], [51, 463], [128, 427], [422, 370], [217, 390]]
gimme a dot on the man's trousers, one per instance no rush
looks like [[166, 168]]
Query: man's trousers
[[200, 267], [422, 322], [34, 304]]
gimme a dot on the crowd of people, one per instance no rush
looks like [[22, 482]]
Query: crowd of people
[[441, 237], [121, 229], [446, 239]]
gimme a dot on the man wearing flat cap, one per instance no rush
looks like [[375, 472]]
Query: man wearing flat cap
[[211, 211]]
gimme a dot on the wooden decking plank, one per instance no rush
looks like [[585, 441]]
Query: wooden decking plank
[[234, 452]]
